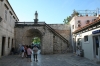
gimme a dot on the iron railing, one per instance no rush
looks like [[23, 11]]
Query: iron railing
[[22, 24]]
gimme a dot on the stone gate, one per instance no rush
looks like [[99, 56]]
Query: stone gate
[[55, 38]]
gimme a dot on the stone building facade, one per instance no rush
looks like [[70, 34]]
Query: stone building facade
[[85, 41], [78, 22], [51, 42], [7, 23], [88, 40]]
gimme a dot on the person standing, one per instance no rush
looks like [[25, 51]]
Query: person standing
[[35, 50], [22, 50], [29, 52], [26, 46]]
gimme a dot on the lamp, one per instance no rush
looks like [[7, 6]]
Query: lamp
[[0, 19]]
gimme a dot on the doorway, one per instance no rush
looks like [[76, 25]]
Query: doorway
[[79, 46], [34, 37], [12, 44], [74, 44], [96, 45], [3, 46], [36, 42]]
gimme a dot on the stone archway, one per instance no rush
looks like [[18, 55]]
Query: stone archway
[[25, 33], [30, 34]]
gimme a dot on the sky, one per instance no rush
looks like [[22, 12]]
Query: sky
[[50, 11]]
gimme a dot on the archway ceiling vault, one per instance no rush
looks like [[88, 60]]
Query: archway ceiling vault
[[33, 32]]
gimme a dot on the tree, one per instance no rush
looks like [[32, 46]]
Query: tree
[[36, 40], [68, 19], [75, 13], [65, 21]]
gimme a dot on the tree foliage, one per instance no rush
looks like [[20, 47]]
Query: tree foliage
[[36, 40], [68, 19]]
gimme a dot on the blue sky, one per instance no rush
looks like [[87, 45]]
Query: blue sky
[[50, 11]]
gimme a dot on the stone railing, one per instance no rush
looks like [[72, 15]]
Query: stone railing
[[28, 23]]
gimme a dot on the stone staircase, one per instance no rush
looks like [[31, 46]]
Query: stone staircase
[[68, 49]]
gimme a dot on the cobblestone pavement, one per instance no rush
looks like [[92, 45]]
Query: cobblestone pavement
[[47, 60]]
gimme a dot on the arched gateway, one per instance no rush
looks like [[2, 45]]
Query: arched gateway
[[51, 41]]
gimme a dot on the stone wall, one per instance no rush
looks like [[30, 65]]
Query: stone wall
[[50, 43], [6, 28], [63, 29]]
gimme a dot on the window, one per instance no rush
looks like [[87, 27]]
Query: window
[[93, 20], [87, 22], [73, 26], [6, 14], [79, 21], [13, 17], [85, 38], [12, 43], [8, 41], [79, 25], [54, 39], [10, 12]]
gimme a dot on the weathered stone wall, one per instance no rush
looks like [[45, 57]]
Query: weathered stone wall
[[6, 28], [63, 29], [22, 35], [21, 38], [50, 43]]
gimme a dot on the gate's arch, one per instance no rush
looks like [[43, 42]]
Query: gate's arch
[[30, 34]]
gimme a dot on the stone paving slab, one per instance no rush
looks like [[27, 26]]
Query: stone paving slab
[[47, 60]]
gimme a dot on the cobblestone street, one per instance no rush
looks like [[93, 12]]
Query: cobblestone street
[[47, 60]]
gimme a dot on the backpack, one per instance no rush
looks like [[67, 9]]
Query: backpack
[[22, 50]]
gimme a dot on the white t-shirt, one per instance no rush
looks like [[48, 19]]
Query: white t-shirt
[[35, 50]]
